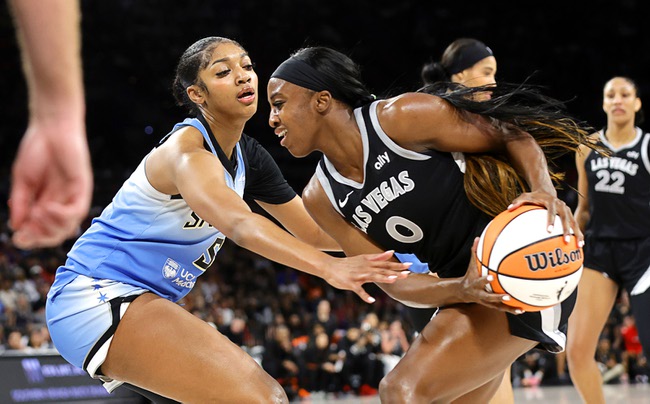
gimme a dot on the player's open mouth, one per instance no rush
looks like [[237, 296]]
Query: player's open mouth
[[246, 96]]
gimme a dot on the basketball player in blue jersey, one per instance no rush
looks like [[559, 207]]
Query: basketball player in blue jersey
[[614, 212], [411, 176], [111, 308]]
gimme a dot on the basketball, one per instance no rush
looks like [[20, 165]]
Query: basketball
[[536, 268]]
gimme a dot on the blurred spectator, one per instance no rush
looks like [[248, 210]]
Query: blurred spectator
[[236, 331], [529, 370], [280, 360], [23, 312], [8, 295], [16, 341], [640, 371], [609, 361], [394, 345], [325, 317], [38, 340], [24, 285], [323, 365]]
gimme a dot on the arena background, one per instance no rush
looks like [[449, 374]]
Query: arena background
[[130, 49]]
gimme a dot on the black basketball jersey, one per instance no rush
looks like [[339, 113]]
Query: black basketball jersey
[[410, 202], [619, 190]]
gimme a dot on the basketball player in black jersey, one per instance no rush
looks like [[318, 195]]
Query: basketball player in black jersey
[[423, 174], [469, 62], [614, 211]]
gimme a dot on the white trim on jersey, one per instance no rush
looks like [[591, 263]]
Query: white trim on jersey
[[642, 285], [644, 152], [397, 149], [551, 322], [459, 158], [322, 178], [141, 181], [603, 138]]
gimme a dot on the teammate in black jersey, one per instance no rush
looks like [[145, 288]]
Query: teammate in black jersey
[[469, 62], [614, 212], [466, 61], [423, 174]]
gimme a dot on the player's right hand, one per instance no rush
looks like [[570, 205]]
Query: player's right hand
[[352, 272], [473, 288]]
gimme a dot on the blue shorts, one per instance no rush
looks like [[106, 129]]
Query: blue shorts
[[82, 315]]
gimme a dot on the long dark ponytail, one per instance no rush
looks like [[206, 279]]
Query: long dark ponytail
[[491, 183]]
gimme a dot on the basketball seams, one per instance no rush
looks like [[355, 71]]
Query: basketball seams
[[505, 287], [498, 224], [537, 279], [519, 250]]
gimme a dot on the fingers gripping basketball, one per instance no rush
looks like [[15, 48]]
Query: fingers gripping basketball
[[536, 268]]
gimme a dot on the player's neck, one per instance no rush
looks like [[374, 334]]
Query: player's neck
[[226, 131], [620, 135], [347, 159]]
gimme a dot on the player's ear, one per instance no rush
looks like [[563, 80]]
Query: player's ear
[[195, 94], [323, 100]]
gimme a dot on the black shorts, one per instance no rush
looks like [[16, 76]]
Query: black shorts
[[625, 261], [548, 327]]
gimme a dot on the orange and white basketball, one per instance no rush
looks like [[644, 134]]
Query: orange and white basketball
[[536, 268]]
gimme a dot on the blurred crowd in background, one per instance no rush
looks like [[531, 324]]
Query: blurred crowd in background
[[314, 339]]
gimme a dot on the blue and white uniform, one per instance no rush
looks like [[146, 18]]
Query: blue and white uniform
[[146, 241]]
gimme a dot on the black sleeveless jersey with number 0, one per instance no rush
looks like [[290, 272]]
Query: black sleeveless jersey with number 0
[[410, 202], [619, 190]]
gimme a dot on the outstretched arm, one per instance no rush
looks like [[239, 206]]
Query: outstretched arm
[[51, 176], [182, 165], [294, 217]]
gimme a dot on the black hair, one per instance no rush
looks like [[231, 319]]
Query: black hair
[[339, 71], [433, 72], [491, 183], [194, 59]]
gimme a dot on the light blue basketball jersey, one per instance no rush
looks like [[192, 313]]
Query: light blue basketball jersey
[[149, 239]]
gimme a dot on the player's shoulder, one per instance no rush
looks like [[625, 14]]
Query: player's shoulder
[[253, 150], [187, 139], [313, 195], [400, 116], [409, 102], [584, 149]]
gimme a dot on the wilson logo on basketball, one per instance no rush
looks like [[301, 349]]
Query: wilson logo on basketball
[[542, 260]]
